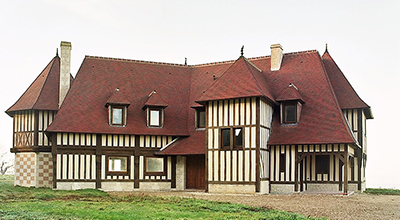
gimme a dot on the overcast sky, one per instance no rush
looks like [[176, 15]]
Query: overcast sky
[[363, 38]]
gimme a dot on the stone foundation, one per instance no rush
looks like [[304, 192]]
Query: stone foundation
[[154, 186], [231, 188], [33, 169], [264, 187], [76, 185], [117, 186], [282, 188], [323, 187]]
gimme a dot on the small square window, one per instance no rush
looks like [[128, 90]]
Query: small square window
[[289, 113], [154, 165], [117, 164], [200, 118]]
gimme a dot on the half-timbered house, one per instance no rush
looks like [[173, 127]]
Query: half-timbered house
[[282, 123]]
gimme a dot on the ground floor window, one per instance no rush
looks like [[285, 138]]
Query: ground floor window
[[154, 166], [117, 164]]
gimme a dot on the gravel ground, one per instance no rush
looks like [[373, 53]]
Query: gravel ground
[[356, 206]]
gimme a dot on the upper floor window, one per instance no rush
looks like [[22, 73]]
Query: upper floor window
[[231, 138], [200, 118], [155, 117], [289, 113]]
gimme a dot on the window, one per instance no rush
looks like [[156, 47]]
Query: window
[[238, 132], [322, 164], [282, 163], [154, 166], [226, 138], [155, 117], [231, 138], [117, 116], [200, 118], [117, 164], [289, 113]]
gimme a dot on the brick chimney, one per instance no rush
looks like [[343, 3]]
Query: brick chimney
[[65, 70], [276, 56]]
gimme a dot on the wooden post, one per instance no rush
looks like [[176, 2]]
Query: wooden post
[[206, 150], [173, 172], [346, 168], [136, 165], [258, 178], [98, 161], [54, 158]]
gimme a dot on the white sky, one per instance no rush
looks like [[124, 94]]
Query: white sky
[[363, 38]]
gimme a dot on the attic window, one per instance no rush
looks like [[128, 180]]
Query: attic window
[[289, 113], [155, 116], [117, 115], [200, 118]]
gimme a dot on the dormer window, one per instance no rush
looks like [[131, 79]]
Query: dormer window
[[117, 106], [155, 117], [291, 104], [289, 113], [154, 107], [118, 115], [200, 118]]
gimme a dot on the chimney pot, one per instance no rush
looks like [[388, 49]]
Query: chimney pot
[[276, 57]]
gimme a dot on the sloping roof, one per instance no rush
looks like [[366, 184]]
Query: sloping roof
[[241, 80], [321, 119], [83, 109], [155, 99], [345, 93], [42, 94], [117, 98], [179, 86]]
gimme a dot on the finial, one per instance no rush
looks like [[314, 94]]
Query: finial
[[185, 61], [56, 52], [241, 50], [326, 48]]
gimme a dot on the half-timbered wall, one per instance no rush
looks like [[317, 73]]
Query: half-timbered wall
[[266, 112], [45, 118], [84, 158], [24, 129]]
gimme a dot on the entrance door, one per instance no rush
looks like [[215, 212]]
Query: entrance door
[[195, 172]]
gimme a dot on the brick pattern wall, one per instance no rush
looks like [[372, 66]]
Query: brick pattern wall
[[25, 169], [44, 170]]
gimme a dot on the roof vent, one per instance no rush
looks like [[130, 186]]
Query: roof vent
[[276, 57]]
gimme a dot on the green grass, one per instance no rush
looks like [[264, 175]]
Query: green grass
[[381, 191], [43, 203]]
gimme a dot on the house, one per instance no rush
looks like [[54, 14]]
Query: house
[[282, 123]]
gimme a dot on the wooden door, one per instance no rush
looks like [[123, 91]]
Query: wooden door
[[195, 172]]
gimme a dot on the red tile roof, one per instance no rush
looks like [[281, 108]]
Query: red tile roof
[[290, 93], [179, 86], [42, 94], [241, 80], [117, 98], [155, 100], [345, 93]]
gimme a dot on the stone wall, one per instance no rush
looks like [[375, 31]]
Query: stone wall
[[154, 186], [75, 185], [117, 186], [25, 169], [44, 170], [231, 188], [180, 173], [282, 188], [323, 187]]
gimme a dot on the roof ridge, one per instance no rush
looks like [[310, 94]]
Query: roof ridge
[[213, 63], [136, 61]]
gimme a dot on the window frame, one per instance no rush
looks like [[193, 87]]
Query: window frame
[[160, 117], [198, 112], [127, 164], [151, 173], [123, 115], [232, 138], [284, 113]]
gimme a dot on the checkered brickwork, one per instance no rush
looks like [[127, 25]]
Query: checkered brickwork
[[44, 170], [25, 169]]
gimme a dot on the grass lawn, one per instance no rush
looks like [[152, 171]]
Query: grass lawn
[[381, 191], [42, 203]]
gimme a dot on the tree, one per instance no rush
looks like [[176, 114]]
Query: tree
[[5, 164]]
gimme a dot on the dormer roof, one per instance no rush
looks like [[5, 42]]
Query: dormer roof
[[290, 93], [154, 100], [241, 80], [117, 98]]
